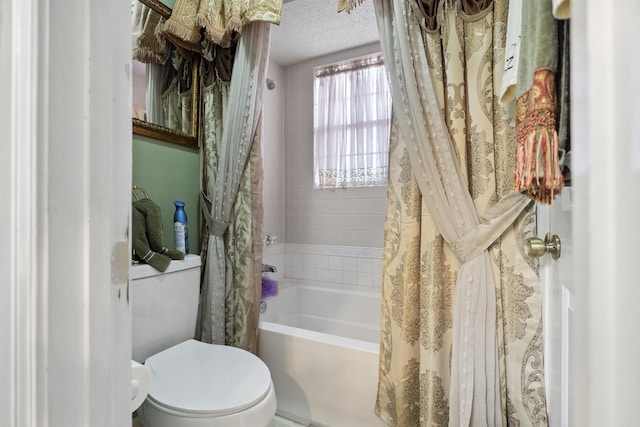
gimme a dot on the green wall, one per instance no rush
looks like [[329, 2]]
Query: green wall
[[169, 172]]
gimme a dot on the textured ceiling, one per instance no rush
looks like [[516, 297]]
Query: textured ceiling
[[312, 28]]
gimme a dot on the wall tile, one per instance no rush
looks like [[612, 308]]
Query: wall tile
[[376, 280], [310, 273], [322, 261], [351, 265], [335, 263], [364, 265], [330, 209], [364, 279], [350, 278], [336, 276]]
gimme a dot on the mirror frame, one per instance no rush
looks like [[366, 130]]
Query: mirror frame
[[140, 127]]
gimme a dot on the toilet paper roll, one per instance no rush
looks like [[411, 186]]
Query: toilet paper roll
[[140, 382]]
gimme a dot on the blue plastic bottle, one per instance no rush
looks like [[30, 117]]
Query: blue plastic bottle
[[180, 229]]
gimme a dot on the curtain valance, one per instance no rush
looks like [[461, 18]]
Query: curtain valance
[[220, 20]]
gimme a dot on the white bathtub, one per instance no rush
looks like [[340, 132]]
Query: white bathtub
[[321, 344]]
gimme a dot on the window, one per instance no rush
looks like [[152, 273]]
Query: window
[[351, 123]]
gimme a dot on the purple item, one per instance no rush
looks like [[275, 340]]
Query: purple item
[[269, 287]]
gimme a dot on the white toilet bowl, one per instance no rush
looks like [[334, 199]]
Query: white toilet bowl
[[194, 384]]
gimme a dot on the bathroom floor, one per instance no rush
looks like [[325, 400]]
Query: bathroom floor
[[276, 422], [283, 422]]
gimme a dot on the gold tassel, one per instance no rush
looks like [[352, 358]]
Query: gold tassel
[[147, 57], [190, 36], [234, 24], [203, 20], [158, 33], [218, 36]]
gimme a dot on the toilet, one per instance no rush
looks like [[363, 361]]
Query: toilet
[[193, 384]]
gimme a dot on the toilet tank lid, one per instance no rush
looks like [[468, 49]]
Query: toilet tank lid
[[139, 271]]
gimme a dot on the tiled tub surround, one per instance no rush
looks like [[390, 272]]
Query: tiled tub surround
[[274, 255], [348, 265]]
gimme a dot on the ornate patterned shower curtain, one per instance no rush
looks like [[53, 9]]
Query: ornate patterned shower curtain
[[231, 200], [243, 281], [243, 244], [461, 336]]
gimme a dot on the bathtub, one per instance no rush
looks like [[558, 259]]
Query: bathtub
[[321, 344]]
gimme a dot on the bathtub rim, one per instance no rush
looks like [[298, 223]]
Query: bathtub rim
[[308, 334]]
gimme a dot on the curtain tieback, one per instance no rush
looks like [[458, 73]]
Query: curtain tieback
[[492, 225], [216, 228]]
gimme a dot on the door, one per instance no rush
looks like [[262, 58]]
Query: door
[[556, 281]]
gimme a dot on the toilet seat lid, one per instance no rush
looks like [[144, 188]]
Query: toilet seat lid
[[207, 379]]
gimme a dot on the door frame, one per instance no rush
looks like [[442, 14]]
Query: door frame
[[65, 163], [605, 134]]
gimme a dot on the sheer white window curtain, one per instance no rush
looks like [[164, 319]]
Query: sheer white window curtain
[[352, 120]]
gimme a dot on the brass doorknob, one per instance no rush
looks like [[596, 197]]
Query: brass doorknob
[[538, 247]]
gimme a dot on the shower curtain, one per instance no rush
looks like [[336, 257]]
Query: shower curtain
[[231, 197], [461, 331]]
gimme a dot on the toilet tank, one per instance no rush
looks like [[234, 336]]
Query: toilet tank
[[164, 306]]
